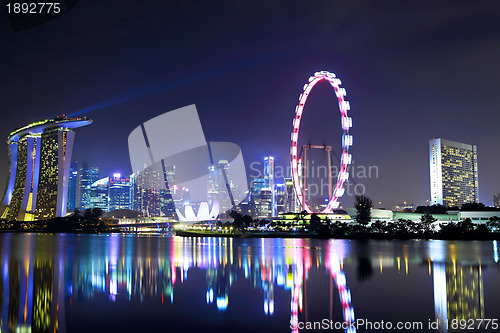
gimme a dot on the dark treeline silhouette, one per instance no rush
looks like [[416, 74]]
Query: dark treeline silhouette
[[466, 207], [426, 228], [88, 220]]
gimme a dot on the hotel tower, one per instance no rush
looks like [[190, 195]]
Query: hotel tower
[[40, 160], [453, 168]]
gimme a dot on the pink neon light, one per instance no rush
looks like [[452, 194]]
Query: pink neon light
[[344, 107]]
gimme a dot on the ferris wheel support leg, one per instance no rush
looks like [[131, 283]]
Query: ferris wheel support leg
[[304, 170], [329, 174]]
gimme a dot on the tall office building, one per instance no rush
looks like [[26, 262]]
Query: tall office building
[[224, 188], [167, 204], [212, 185], [496, 200], [153, 190], [120, 192], [147, 191], [280, 198], [99, 194], [73, 182], [453, 168], [40, 158], [260, 198], [269, 177], [88, 174], [290, 197]]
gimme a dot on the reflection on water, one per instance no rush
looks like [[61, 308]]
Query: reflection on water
[[59, 283]]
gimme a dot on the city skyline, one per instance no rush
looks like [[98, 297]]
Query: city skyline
[[405, 68]]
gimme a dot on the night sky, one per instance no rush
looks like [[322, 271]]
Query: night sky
[[413, 70]]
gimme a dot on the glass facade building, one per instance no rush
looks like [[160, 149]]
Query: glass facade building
[[453, 173], [269, 177], [147, 191], [73, 182], [260, 200], [120, 193], [99, 194], [88, 174]]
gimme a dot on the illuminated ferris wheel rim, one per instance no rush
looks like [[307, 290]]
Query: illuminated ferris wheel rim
[[346, 123]]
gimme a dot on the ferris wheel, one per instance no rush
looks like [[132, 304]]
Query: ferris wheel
[[345, 159]]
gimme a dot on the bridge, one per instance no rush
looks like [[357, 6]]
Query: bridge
[[160, 226]]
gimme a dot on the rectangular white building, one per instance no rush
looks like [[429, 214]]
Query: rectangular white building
[[453, 169]]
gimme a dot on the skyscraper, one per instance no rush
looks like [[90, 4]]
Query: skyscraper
[[269, 177], [99, 194], [147, 187], [496, 200], [290, 204], [280, 198], [453, 168], [120, 192], [224, 188], [88, 174], [73, 182], [40, 158], [260, 200], [167, 205]]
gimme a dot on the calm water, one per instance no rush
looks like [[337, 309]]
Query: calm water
[[124, 283]]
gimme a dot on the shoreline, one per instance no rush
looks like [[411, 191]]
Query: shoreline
[[284, 234], [184, 233]]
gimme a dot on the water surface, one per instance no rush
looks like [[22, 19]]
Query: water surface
[[129, 283]]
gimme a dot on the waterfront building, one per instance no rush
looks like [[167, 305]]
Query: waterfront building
[[167, 204], [99, 194], [261, 198], [182, 196], [280, 195], [269, 178], [152, 191], [290, 205], [244, 208], [88, 174], [212, 185], [73, 182], [263, 206], [263, 194], [147, 187], [120, 192], [40, 158], [224, 187], [496, 200], [453, 172], [258, 185]]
